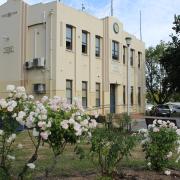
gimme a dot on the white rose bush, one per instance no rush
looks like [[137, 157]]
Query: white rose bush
[[49, 120], [161, 143]]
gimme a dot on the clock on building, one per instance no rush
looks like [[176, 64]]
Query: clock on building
[[116, 27]]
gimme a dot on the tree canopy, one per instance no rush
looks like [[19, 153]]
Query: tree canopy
[[171, 58], [158, 90]]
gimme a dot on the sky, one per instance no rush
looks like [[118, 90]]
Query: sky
[[156, 15]]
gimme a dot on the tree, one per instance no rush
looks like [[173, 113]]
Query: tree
[[158, 90], [171, 58]]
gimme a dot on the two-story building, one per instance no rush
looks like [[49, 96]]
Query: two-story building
[[54, 49]]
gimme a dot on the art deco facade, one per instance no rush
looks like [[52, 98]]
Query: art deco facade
[[53, 49]]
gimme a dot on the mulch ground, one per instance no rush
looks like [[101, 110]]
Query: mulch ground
[[127, 174]]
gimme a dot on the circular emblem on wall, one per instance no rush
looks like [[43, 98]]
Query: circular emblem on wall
[[116, 27]]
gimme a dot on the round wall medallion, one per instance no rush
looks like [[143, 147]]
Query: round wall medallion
[[116, 27]]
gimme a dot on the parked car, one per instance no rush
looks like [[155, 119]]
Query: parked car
[[161, 110], [174, 107], [148, 108]]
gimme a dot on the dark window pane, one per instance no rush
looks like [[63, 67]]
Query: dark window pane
[[68, 37], [124, 54], [69, 91], [132, 57], [124, 95], [98, 94], [132, 96], [97, 46], [139, 59], [115, 50], [84, 94], [84, 42], [139, 96]]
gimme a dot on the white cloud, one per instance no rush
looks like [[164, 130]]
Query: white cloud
[[157, 15]]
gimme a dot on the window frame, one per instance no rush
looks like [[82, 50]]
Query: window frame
[[98, 98], [115, 52], [132, 52], [124, 95], [86, 94], [139, 59], [69, 39], [132, 95], [97, 48], [84, 44], [124, 54], [69, 99], [139, 96]]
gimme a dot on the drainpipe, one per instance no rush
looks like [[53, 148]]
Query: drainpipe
[[51, 12]]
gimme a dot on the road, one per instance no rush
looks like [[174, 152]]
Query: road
[[140, 123]]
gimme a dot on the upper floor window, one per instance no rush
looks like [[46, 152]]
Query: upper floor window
[[84, 42], [69, 36], [115, 50], [139, 96], [131, 57], [97, 46], [98, 95], [132, 96], [84, 94], [69, 91], [124, 54], [139, 59], [124, 95]]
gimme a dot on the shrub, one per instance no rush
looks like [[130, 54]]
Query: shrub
[[51, 121], [159, 142], [109, 146]]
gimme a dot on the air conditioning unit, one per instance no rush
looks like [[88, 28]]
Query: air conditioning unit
[[39, 62], [29, 64], [39, 88]]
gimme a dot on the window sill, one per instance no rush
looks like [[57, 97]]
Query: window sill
[[98, 58], [84, 54], [115, 61], [69, 50]]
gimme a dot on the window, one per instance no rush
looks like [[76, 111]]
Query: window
[[98, 46], [139, 96], [69, 91], [84, 42], [84, 94], [115, 50], [124, 95], [139, 59], [98, 94], [132, 98], [131, 57], [69, 36], [124, 54]]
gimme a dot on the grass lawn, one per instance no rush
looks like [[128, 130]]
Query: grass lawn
[[68, 164]]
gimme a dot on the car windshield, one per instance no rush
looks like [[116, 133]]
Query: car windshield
[[163, 106]]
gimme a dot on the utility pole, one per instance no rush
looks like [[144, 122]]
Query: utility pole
[[140, 27], [111, 7]]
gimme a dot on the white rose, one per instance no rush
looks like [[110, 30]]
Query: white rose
[[155, 129], [71, 121], [20, 146], [35, 132], [31, 165], [167, 172], [1, 132], [10, 88], [169, 154], [178, 132], [10, 108], [149, 164]]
